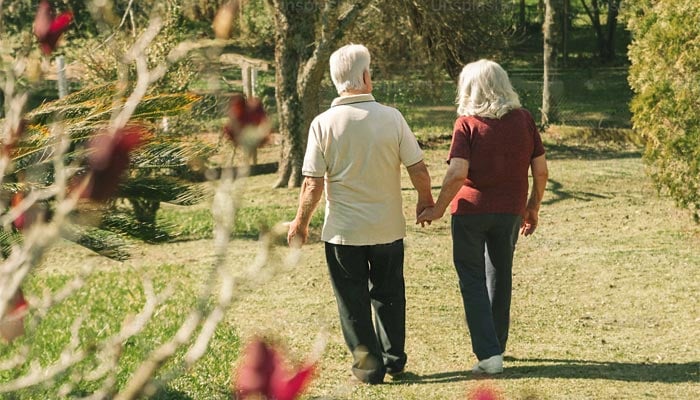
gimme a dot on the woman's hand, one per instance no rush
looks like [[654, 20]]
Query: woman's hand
[[529, 224]]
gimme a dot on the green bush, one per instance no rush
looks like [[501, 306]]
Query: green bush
[[665, 56]]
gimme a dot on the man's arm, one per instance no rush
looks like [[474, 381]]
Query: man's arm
[[309, 197], [420, 178], [540, 173]]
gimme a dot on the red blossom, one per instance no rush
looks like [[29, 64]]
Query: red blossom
[[263, 373], [16, 133], [24, 220], [109, 159], [245, 114], [485, 392], [12, 323], [47, 28]]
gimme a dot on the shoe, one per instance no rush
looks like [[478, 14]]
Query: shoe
[[491, 365], [395, 373]]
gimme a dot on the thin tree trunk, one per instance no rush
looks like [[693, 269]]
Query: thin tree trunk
[[613, 12], [565, 30], [547, 26], [593, 12], [522, 16]]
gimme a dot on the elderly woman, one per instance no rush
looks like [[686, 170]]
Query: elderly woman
[[494, 144]]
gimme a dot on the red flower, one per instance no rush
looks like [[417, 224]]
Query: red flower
[[109, 159], [247, 122], [16, 133], [47, 28], [263, 373], [12, 323], [484, 392], [27, 218]]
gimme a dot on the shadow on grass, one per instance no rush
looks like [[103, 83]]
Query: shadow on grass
[[559, 194], [584, 152], [167, 393], [571, 369]]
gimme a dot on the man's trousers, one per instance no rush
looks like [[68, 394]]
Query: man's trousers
[[366, 278]]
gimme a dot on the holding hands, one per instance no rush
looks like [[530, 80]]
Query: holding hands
[[429, 215]]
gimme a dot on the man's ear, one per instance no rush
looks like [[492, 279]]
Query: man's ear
[[365, 77]]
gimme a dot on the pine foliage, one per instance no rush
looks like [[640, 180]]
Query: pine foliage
[[158, 173], [665, 76]]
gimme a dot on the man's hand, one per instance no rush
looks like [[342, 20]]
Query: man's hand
[[429, 215], [297, 235], [421, 206]]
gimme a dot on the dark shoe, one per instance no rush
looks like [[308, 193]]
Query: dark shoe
[[395, 372], [367, 367]]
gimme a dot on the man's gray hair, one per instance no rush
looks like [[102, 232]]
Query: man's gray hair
[[485, 91], [348, 65]]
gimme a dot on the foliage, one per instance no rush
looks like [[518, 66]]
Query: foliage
[[665, 57], [437, 37], [157, 167], [101, 55]]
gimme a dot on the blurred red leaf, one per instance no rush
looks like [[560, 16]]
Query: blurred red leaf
[[47, 28], [21, 221], [16, 134], [263, 373], [12, 323], [109, 159], [244, 114], [485, 392]]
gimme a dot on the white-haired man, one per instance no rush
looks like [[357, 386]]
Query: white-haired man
[[357, 147]]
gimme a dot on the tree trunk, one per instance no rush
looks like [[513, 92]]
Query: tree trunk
[[301, 57], [294, 33], [565, 30], [605, 39], [613, 12], [522, 16], [547, 27]]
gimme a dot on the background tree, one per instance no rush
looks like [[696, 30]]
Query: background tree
[[450, 33], [665, 56], [605, 32], [548, 45], [306, 33]]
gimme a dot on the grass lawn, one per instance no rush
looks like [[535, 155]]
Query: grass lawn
[[605, 301]]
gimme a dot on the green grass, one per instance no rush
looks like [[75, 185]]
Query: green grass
[[188, 223], [104, 302], [605, 295]]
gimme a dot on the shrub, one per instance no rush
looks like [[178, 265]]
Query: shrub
[[665, 56]]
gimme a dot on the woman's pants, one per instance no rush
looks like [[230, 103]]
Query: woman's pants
[[483, 247]]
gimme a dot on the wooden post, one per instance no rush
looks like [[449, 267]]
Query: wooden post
[[247, 86], [249, 74], [253, 79], [61, 77]]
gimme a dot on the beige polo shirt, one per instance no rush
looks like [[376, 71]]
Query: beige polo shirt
[[359, 145]]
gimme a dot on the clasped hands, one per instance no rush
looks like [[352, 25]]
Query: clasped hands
[[427, 215]]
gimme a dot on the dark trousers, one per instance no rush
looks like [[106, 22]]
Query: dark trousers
[[483, 247], [366, 278]]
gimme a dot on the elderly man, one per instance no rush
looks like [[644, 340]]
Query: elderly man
[[357, 147]]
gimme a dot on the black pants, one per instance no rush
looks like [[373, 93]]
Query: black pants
[[366, 278], [483, 247]]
